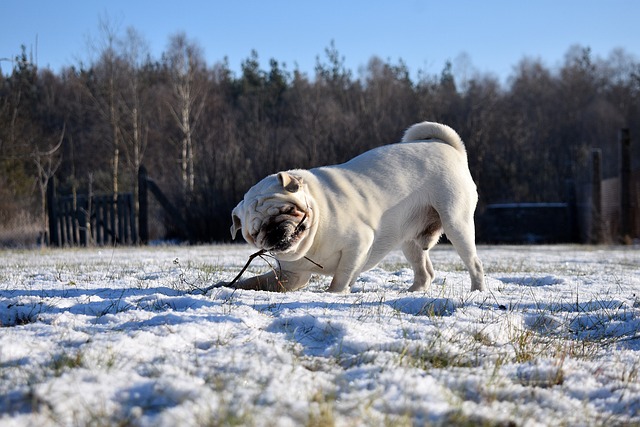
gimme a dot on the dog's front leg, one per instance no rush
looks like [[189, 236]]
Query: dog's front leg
[[351, 264], [284, 281]]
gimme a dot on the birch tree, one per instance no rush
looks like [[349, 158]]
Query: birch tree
[[134, 50], [188, 95], [104, 88]]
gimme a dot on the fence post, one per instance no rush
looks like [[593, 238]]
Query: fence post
[[54, 239], [113, 211], [82, 209], [130, 220], [625, 185], [120, 215], [143, 206], [596, 235], [102, 220]]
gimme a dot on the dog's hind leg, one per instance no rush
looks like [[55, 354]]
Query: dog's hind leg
[[417, 251], [461, 233], [423, 272]]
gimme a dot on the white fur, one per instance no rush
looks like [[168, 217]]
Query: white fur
[[400, 195], [427, 130]]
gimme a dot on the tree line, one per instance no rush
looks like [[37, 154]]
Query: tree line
[[206, 134]]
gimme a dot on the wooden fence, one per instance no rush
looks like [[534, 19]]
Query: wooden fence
[[609, 209], [603, 218], [598, 211], [108, 219], [83, 220]]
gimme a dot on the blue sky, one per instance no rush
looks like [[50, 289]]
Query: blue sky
[[490, 36]]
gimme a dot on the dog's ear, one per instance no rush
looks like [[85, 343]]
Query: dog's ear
[[237, 224], [289, 182]]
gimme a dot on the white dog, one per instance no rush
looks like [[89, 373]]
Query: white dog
[[341, 220]]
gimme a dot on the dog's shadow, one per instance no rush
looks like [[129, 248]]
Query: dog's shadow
[[316, 335], [322, 336], [439, 307]]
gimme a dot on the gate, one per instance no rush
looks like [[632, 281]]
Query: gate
[[82, 220]]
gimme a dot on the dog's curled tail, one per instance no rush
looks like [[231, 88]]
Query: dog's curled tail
[[431, 130]]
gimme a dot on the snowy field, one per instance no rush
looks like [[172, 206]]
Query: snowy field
[[119, 337]]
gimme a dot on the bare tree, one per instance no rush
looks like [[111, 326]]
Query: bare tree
[[135, 53], [186, 65], [47, 163], [105, 90]]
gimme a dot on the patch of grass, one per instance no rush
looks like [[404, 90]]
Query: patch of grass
[[523, 346], [20, 319], [116, 306], [21, 314], [64, 362], [434, 355], [321, 412], [224, 415], [460, 418], [195, 277], [631, 373]]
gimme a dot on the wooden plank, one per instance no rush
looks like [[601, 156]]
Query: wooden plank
[[143, 206], [119, 203], [132, 219], [625, 185], [128, 216], [74, 221], [112, 217], [104, 220], [70, 220], [54, 236], [65, 221], [596, 235], [106, 209], [81, 206]]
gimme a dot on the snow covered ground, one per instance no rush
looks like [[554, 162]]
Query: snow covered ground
[[118, 337]]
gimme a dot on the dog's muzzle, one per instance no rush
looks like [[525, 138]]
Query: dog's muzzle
[[279, 233]]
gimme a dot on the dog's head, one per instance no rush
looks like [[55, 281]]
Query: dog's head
[[277, 215]]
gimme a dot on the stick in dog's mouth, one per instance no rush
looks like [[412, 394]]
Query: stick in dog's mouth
[[300, 227]]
